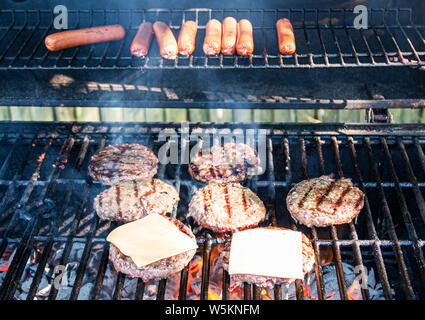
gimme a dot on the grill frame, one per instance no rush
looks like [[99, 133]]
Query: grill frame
[[359, 140]]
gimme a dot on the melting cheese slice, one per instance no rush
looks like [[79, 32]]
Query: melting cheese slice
[[150, 239], [267, 252]]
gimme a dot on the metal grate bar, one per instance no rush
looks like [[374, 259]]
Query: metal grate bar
[[356, 248], [206, 255], [318, 268], [101, 275], [11, 190], [7, 292], [68, 245], [75, 223], [119, 286], [418, 195], [6, 162], [299, 284], [389, 225], [410, 44], [333, 233], [47, 249], [405, 212], [370, 226]]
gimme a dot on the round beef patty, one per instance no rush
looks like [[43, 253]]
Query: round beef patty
[[123, 162], [324, 201], [157, 270], [131, 200], [230, 162], [226, 207], [270, 282]]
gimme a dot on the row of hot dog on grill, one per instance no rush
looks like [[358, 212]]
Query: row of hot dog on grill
[[227, 37]]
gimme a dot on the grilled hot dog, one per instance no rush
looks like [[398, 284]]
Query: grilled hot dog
[[73, 38], [285, 36], [245, 38], [166, 41], [142, 40], [212, 41], [187, 37], [228, 37]]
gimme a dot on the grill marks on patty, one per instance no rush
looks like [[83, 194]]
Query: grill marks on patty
[[225, 192], [118, 198], [324, 201], [131, 200], [226, 198], [226, 207], [230, 162], [327, 194], [123, 162]]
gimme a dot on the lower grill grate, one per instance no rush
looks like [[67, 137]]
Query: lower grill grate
[[53, 245]]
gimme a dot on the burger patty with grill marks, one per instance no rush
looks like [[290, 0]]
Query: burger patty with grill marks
[[159, 269], [123, 162], [131, 200], [226, 207], [324, 201], [264, 281], [230, 162]]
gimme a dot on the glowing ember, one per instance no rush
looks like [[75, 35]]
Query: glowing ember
[[4, 262], [354, 291], [213, 295], [264, 295], [194, 280], [41, 157]]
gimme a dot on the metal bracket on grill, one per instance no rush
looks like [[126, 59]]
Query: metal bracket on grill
[[378, 116]]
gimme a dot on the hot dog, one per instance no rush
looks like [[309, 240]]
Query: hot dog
[[187, 37], [285, 36], [228, 37], [142, 40], [244, 39], [73, 38], [212, 41], [166, 41]]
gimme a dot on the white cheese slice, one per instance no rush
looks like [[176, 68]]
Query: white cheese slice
[[267, 252], [150, 239]]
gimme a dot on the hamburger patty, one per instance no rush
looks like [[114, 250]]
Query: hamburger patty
[[269, 282], [230, 162], [157, 270], [123, 162], [130, 200], [226, 207], [324, 201]]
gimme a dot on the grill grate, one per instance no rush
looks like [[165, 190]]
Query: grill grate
[[47, 218], [325, 38]]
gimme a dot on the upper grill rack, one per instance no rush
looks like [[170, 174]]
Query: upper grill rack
[[47, 213], [325, 38]]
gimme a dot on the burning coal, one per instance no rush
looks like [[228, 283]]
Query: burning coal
[[68, 275]]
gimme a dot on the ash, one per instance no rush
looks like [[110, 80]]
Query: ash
[[331, 285]]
